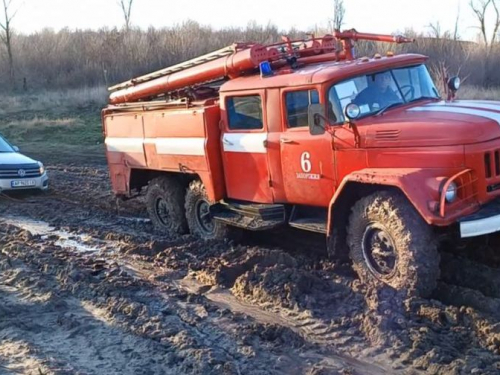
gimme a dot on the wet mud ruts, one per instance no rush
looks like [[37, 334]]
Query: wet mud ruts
[[139, 302]]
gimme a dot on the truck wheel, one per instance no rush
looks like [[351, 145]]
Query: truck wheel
[[165, 203], [389, 243], [198, 215]]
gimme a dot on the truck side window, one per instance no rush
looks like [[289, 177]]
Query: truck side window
[[244, 112], [297, 105]]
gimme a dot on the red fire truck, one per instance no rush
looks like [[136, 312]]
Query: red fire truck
[[305, 134]]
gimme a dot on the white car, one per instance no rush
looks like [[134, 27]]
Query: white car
[[19, 172]]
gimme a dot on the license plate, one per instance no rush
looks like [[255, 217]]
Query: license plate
[[22, 183]]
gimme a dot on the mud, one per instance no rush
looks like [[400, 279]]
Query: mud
[[88, 287]]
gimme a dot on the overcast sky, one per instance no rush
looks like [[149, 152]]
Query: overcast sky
[[377, 16]]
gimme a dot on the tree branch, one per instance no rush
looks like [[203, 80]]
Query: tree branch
[[497, 23], [480, 12]]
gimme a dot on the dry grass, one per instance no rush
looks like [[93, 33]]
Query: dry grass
[[62, 117], [478, 93], [49, 100]]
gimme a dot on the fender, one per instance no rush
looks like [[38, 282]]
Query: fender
[[420, 186]]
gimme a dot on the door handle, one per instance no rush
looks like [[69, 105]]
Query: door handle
[[226, 142], [286, 140]]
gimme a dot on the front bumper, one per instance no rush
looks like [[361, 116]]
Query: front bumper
[[41, 183], [484, 221]]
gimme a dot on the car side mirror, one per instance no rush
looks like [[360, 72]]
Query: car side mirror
[[316, 119], [16, 149]]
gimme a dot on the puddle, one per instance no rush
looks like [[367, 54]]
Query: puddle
[[67, 240], [135, 219]]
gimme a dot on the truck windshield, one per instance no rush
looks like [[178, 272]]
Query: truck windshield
[[5, 146], [374, 92]]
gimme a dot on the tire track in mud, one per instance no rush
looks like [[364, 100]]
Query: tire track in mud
[[416, 334], [197, 321], [223, 299]]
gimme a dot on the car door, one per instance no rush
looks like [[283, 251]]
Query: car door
[[244, 145], [307, 161]]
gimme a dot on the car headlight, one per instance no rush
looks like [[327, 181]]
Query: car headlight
[[451, 192], [42, 168]]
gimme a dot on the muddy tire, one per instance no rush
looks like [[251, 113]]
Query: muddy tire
[[165, 203], [197, 214], [390, 244]]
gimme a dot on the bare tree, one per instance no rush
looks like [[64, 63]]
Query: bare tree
[[456, 35], [126, 6], [6, 35], [338, 14], [435, 30], [480, 9]]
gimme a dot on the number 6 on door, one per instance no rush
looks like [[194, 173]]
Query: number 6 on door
[[305, 162]]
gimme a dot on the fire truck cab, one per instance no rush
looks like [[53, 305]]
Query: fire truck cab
[[362, 150]]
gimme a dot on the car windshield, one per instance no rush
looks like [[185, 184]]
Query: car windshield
[[5, 146], [375, 92]]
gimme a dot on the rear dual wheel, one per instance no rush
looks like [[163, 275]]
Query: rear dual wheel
[[164, 199], [173, 209], [200, 222]]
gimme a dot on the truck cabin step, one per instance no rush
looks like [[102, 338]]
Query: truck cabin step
[[312, 219], [249, 216]]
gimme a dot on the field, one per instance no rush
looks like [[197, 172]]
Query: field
[[88, 287]]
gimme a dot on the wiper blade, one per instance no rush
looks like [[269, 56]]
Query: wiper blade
[[382, 110]]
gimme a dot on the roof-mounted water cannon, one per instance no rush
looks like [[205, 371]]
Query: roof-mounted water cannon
[[348, 38]]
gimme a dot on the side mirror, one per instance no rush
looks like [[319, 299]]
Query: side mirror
[[316, 119], [16, 149]]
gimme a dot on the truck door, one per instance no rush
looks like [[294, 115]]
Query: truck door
[[244, 145], [307, 161]]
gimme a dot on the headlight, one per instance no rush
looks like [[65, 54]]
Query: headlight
[[42, 168], [451, 192]]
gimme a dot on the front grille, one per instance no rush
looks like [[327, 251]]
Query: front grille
[[492, 170], [19, 171], [492, 164]]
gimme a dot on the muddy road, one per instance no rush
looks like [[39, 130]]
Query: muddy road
[[88, 287]]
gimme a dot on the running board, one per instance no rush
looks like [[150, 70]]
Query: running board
[[249, 216], [312, 219]]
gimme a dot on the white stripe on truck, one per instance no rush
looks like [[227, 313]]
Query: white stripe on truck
[[493, 106], [458, 110], [164, 146], [178, 146], [245, 142], [232, 142], [133, 145]]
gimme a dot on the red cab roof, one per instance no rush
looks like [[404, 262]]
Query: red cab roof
[[321, 73]]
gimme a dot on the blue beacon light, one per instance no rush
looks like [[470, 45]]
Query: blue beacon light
[[265, 69]]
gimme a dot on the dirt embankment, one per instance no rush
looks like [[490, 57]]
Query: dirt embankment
[[99, 292]]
